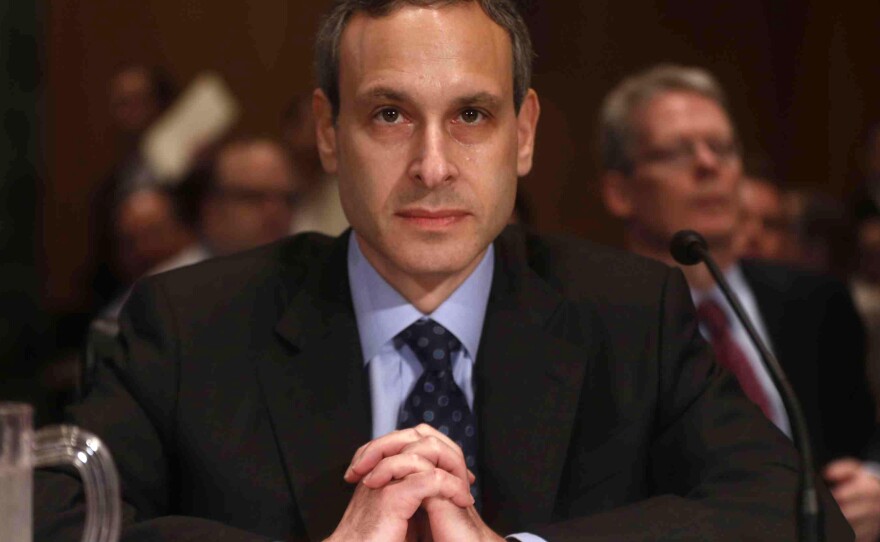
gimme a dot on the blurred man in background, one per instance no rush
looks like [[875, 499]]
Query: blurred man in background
[[865, 200], [672, 161], [240, 197], [865, 285], [137, 95], [250, 198], [764, 232], [148, 231], [241, 200]]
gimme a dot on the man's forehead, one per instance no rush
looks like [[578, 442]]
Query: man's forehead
[[457, 41], [676, 111]]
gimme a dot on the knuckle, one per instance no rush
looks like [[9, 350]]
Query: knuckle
[[436, 445]]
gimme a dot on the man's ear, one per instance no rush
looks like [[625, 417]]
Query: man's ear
[[325, 130], [527, 124], [617, 194]]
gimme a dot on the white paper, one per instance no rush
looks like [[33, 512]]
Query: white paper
[[198, 118]]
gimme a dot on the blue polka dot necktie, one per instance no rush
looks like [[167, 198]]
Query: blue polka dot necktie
[[436, 399]]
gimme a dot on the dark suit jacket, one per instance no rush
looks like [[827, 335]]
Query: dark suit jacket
[[602, 415], [819, 340]]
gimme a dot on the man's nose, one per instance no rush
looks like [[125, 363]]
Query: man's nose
[[705, 158], [433, 164]]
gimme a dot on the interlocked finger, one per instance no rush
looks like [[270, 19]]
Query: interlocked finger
[[396, 468], [433, 483], [422, 439]]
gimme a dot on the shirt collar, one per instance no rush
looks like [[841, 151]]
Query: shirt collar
[[382, 312]]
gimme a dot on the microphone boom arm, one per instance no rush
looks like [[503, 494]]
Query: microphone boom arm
[[810, 521]]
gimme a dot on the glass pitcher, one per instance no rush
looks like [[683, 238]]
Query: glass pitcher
[[22, 449]]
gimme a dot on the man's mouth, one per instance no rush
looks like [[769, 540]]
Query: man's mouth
[[432, 218]]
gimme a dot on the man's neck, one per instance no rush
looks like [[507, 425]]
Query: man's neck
[[698, 276], [425, 292]]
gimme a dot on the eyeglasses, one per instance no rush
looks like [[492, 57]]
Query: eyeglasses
[[684, 155]]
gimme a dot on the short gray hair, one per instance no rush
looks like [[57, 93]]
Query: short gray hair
[[503, 12], [616, 136]]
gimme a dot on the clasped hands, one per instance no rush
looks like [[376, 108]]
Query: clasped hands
[[412, 485]]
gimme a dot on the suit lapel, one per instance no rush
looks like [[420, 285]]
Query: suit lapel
[[771, 305], [528, 385], [317, 392]]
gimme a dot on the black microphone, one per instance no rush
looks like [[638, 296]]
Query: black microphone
[[688, 248]]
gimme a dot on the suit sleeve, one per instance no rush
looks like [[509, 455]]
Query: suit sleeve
[[845, 400], [131, 407], [718, 470]]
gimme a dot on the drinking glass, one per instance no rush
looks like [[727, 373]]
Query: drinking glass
[[22, 449]]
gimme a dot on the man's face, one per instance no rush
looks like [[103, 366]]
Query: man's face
[[147, 232], [427, 144], [687, 169], [132, 103], [763, 229], [253, 201]]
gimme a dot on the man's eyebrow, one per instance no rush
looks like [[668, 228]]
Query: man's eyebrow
[[482, 99], [382, 93]]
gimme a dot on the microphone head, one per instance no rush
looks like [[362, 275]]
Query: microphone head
[[688, 247]]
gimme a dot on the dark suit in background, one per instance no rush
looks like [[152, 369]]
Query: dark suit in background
[[242, 396], [820, 342]]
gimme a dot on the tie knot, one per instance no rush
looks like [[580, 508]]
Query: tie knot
[[712, 316], [432, 343]]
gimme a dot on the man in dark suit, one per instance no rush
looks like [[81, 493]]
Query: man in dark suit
[[672, 162], [564, 389]]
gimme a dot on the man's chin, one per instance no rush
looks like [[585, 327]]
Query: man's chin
[[436, 266], [718, 238]]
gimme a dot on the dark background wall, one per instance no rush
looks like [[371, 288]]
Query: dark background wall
[[802, 78], [21, 321]]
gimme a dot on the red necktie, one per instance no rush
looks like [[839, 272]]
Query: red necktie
[[730, 355]]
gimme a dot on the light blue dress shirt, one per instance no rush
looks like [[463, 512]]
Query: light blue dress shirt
[[382, 312], [740, 287]]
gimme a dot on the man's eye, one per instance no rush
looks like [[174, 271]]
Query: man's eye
[[471, 116], [390, 116]]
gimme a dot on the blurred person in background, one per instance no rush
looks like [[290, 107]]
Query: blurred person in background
[[250, 197], [822, 232], [318, 208], [671, 161], [865, 285], [865, 200], [764, 232], [240, 200], [137, 96], [148, 231], [241, 196]]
